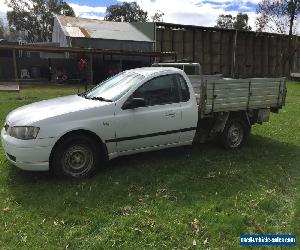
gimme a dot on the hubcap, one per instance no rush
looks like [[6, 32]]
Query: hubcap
[[77, 160], [235, 135]]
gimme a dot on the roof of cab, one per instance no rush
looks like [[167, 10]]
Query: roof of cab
[[147, 71]]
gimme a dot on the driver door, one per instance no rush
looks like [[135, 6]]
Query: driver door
[[155, 124]]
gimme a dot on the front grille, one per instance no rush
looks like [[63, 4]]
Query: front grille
[[6, 126], [13, 158]]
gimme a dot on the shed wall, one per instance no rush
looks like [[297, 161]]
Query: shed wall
[[229, 52], [58, 36], [112, 44]]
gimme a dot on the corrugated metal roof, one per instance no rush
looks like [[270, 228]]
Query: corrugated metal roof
[[98, 29]]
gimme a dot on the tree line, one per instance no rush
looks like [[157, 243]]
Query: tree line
[[32, 20]]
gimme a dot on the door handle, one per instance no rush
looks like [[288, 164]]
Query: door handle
[[170, 114]]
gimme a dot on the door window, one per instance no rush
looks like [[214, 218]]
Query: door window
[[159, 91], [184, 89]]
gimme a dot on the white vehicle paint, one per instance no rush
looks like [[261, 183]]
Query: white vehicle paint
[[136, 111]]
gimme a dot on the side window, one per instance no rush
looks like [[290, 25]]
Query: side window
[[184, 89], [159, 91], [190, 70]]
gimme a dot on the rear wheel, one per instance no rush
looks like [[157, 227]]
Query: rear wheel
[[76, 156], [235, 133]]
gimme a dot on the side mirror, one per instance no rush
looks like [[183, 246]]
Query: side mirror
[[134, 103]]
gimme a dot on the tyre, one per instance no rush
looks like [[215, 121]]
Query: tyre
[[235, 133], [76, 156]]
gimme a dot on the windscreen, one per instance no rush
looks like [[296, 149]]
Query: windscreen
[[115, 87]]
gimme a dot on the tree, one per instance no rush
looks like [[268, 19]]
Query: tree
[[278, 15], [2, 29], [126, 12], [240, 22], [35, 18], [158, 16], [225, 22]]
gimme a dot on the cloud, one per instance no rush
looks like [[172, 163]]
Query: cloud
[[198, 12], [194, 12], [2, 15], [3, 10], [88, 11], [3, 6]]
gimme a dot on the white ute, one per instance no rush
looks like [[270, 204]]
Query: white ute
[[136, 111]]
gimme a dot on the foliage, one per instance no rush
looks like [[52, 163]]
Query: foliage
[[6, 33], [240, 22], [201, 197], [158, 16], [278, 15], [126, 12], [2, 29], [225, 22], [35, 18]]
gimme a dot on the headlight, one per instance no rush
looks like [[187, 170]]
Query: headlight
[[23, 133]]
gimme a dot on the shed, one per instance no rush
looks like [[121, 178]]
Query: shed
[[93, 33], [80, 32]]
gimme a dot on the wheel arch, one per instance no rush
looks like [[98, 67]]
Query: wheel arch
[[242, 114], [85, 132], [223, 118]]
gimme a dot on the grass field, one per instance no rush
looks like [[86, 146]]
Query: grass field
[[187, 198]]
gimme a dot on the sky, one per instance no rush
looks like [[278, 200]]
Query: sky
[[195, 12]]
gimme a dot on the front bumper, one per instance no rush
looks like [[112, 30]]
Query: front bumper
[[31, 155]]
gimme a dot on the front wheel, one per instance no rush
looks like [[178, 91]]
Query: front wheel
[[235, 133], [76, 157]]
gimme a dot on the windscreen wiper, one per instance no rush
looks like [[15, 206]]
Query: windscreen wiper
[[82, 95], [102, 99]]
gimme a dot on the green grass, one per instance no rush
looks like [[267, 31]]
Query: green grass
[[160, 200]]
